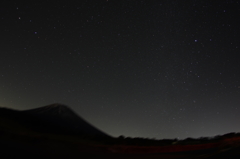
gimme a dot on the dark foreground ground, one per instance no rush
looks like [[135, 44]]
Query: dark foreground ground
[[12, 146]]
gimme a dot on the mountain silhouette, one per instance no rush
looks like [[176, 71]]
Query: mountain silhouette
[[64, 118], [54, 118]]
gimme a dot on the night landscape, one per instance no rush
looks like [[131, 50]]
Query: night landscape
[[55, 131], [120, 79]]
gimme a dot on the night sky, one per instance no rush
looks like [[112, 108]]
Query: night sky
[[139, 68]]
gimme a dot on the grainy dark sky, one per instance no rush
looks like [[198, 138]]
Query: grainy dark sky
[[149, 68]]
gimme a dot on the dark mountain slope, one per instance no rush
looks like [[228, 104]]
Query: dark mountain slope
[[64, 118], [55, 118]]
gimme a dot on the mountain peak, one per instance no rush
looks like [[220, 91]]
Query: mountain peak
[[64, 117], [58, 107], [54, 109]]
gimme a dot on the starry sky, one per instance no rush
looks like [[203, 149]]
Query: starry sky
[[139, 68]]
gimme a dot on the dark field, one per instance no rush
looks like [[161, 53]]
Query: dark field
[[65, 147]]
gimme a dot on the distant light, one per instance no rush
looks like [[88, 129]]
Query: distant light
[[195, 41], [35, 32]]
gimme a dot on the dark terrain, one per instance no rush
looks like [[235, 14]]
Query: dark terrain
[[55, 131]]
